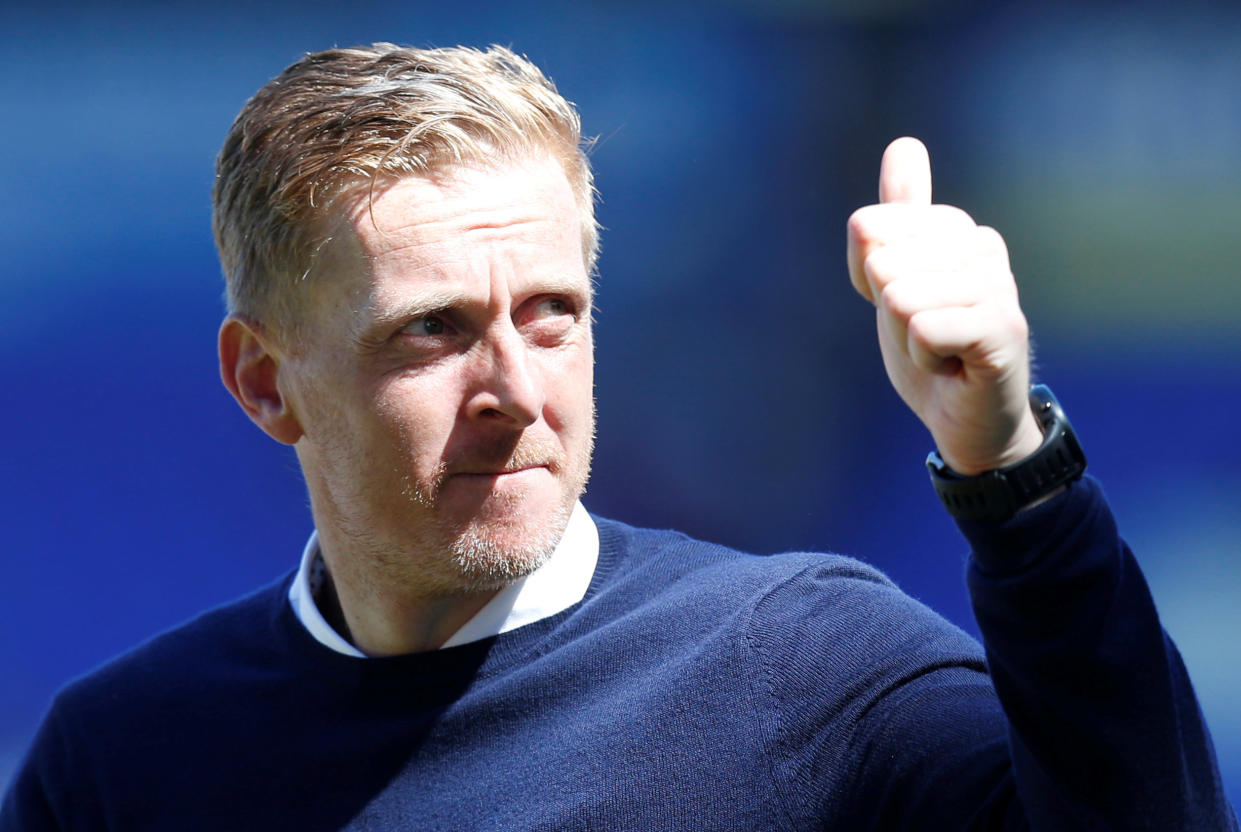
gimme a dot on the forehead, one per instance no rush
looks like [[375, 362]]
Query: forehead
[[513, 221], [470, 205]]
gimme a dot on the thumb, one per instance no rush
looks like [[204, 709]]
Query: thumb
[[905, 173]]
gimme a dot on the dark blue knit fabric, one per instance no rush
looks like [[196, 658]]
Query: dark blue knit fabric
[[693, 688]]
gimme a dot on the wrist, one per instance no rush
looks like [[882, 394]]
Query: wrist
[[996, 495], [1027, 439]]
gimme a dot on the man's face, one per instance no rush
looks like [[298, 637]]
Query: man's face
[[444, 385]]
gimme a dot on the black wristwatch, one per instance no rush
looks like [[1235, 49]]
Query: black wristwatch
[[997, 495]]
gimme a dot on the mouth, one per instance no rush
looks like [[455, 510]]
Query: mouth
[[502, 473], [506, 466], [507, 483]]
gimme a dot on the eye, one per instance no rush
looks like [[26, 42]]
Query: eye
[[549, 320], [431, 324], [550, 308]]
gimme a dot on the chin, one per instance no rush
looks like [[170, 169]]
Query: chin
[[488, 560], [491, 554]]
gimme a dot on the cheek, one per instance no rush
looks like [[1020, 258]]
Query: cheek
[[570, 394], [326, 408], [416, 416]]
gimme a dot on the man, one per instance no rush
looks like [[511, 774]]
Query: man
[[408, 239]]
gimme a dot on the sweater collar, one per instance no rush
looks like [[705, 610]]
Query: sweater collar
[[556, 585]]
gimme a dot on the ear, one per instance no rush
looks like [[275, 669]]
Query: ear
[[250, 368]]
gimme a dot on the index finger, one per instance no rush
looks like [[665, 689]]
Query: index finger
[[905, 173]]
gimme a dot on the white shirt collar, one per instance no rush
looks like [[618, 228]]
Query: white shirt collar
[[556, 585]]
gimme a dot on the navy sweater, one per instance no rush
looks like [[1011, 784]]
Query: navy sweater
[[693, 688]]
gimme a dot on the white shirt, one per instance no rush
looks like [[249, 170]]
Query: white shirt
[[556, 585]]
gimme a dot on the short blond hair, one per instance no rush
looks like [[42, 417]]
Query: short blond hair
[[342, 119]]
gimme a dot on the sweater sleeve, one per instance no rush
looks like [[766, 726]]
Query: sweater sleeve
[[30, 804], [1104, 730]]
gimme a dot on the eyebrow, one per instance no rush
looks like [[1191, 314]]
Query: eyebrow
[[413, 307], [426, 303]]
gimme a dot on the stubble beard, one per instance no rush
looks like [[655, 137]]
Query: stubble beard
[[485, 555], [486, 563]]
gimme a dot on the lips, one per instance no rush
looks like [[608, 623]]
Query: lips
[[502, 472], [529, 455], [508, 482]]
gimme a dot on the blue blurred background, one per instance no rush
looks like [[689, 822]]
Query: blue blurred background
[[741, 397]]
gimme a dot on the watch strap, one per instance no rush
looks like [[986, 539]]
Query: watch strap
[[999, 494]]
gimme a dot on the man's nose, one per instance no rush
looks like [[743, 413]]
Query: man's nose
[[509, 386]]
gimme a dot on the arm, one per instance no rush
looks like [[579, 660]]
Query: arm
[[1104, 731], [31, 802], [1104, 728]]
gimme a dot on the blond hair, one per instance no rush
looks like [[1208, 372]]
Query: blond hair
[[339, 120]]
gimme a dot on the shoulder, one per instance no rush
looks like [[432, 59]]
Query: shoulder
[[781, 600], [817, 648], [674, 555], [216, 643], [673, 560], [133, 712]]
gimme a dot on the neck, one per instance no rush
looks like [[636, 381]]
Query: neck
[[385, 598], [381, 621]]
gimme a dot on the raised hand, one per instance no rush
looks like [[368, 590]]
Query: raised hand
[[954, 340]]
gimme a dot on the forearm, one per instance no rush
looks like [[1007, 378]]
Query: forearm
[[1105, 730]]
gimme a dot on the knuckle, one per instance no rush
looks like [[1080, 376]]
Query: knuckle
[[880, 267], [859, 226], [1018, 326], [953, 216], [860, 286], [1009, 323], [896, 300], [918, 327], [991, 240]]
